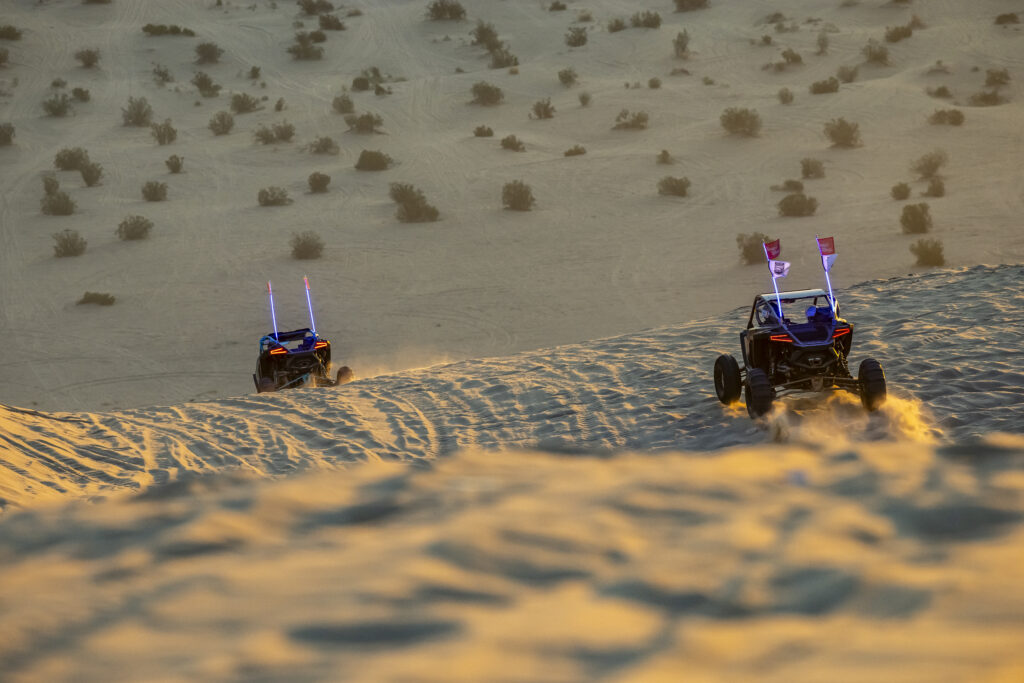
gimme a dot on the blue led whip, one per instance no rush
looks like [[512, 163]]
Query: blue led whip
[[273, 316], [309, 303]]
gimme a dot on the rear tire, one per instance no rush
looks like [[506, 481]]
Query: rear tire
[[345, 375], [727, 379], [758, 393], [265, 384], [871, 379]]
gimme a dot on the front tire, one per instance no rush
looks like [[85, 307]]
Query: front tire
[[871, 379], [727, 379], [758, 393]]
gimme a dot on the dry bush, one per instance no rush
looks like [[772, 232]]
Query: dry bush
[[996, 78], [273, 196], [91, 174], [654, 83], [940, 92], [517, 196], [664, 157], [797, 204], [305, 48], [875, 53], [318, 182], [842, 133], [936, 188], [50, 184], [785, 96], [343, 104], [98, 298], [137, 112], [175, 164], [584, 17], [511, 142], [208, 53], [164, 133], [543, 109], [280, 105], [80, 94], [89, 57], [134, 228], [6, 134], [312, 8], [486, 36], [71, 159], [567, 77], [365, 123], [681, 44], [751, 247], [221, 123], [688, 5], [645, 19], [483, 131], [156, 30], [822, 43], [412, 204], [486, 94], [329, 22], [575, 151], [616, 25], [8, 32], [58, 83], [847, 74], [154, 191], [57, 204], [585, 99], [306, 245], [894, 34], [557, 6], [829, 85], [323, 145], [318, 36], [243, 103], [791, 56], [929, 164], [984, 98], [205, 85], [916, 219], [741, 121], [503, 58], [627, 120], [446, 10], [675, 187], [811, 168], [372, 160], [58, 105], [68, 243], [946, 117], [928, 252], [900, 191], [1006, 19], [789, 186]]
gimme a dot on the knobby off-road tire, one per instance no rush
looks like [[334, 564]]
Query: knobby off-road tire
[[727, 379], [758, 393], [872, 384], [345, 375]]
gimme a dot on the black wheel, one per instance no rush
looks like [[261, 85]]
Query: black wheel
[[871, 379], [758, 393], [727, 379], [345, 375]]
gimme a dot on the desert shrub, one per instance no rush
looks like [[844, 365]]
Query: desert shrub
[[68, 243], [894, 34], [951, 117], [273, 196], [318, 36], [789, 186], [688, 5], [502, 58], [155, 30], [343, 104], [915, 22], [929, 164], [354, 12], [483, 131], [876, 53], [402, 193], [364, 123], [208, 53], [174, 163], [584, 16], [205, 85], [80, 94], [829, 85], [314, 7], [584, 98], [676, 187], [446, 10], [221, 123], [842, 133], [785, 96], [556, 6], [154, 191], [900, 191], [543, 109], [318, 182], [371, 160], [89, 57], [280, 105], [664, 157], [284, 132], [305, 48], [936, 188], [988, 98], [575, 151], [646, 19], [812, 168], [517, 196], [485, 35], [822, 43], [797, 204], [707, 80], [323, 145], [71, 159], [847, 74], [329, 22], [412, 204], [766, 40], [567, 77], [254, 73], [616, 25], [58, 104], [627, 120], [941, 92], [164, 133], [50, 185], [995, 78], [91, 174], [137, 112], [97, 298], [8, 32], [134, 228], [511, 142], [6, 134], [751, 247], [57, 204], [306, 245], [243, 103], [681, 44], [360, 83], [486, 94], [738, 121], [928, 252], [654, 83], [1008, 18], [916, 219], [791, 56]]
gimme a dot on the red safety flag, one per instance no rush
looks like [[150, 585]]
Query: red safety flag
[[827, 245], [773, 249]]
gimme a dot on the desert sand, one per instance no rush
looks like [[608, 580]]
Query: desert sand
[[531, 478]]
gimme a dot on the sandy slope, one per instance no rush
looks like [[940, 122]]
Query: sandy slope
[[601, 255]]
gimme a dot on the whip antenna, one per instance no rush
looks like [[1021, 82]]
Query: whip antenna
[[273, 316], [309, 302]]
